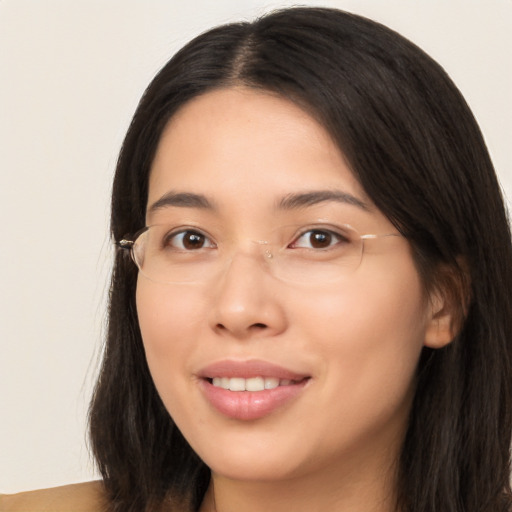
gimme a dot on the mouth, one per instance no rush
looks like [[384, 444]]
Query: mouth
[[253, 384], [250, 390]]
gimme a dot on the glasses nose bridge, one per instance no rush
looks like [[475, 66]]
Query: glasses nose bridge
[[248, 256], [266, 248], [259, 250]]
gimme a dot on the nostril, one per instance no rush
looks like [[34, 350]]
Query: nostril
[[254, 328]]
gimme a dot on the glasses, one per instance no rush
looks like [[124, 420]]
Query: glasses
[[297, 254]]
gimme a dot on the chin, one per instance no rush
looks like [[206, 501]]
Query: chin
[[255, 456], [252, 469]]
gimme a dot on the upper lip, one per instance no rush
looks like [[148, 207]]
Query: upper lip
[[248, 369]]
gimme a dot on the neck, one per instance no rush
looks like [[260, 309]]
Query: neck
[[331, 489]]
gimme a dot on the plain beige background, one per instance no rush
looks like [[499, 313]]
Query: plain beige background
[[71, 73]]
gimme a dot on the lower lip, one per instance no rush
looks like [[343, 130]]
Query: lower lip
[[250, 405]]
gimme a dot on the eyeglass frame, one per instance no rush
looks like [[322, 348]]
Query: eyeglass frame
[[127, 243]]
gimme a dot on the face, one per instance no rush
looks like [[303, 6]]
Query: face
[[342, 352]]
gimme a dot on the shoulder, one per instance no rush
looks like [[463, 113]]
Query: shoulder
[[85, 497]]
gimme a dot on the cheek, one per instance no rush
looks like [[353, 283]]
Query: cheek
[[369, 338], [165, 312], [380, 308], [170, 319]]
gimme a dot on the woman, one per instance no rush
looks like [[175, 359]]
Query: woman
[[310, 305]]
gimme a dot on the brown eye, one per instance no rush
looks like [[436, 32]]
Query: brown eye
[[189, 241], [318, 239]]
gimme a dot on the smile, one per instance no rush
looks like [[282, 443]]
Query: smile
[[250, 384], [250, 390]]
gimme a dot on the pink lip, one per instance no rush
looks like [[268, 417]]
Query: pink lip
[[249, 405], [248, 369]]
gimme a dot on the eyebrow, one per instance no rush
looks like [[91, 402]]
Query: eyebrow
[[304, 199], [289, 202], [183, 200]]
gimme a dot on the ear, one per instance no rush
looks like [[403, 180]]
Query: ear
[[440, 327], [448, 305]]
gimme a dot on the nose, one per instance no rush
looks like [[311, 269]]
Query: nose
[[246, 300]]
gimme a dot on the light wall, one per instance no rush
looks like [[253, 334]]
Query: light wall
[[71, 73]]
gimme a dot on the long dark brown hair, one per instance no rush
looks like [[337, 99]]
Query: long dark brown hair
[[414, 146]]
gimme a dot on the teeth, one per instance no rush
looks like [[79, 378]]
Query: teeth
[[237, 384], [271, 383], [252, 384]]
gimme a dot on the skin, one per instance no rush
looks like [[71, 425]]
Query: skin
[[334, 446], [84, 497]]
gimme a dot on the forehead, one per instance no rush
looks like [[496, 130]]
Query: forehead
[[243, 144]]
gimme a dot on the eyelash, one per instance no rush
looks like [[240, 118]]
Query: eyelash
[[333, 238], [168, 239]]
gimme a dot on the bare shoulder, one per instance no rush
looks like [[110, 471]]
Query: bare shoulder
[[85, 497]]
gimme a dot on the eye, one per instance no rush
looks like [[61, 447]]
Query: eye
[[318, 239], [188, 240]]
